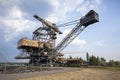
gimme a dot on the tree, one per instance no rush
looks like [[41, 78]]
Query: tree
[[98, 61], [87, 57], [111, 63], [102, 61], [114, 63], [70, 57], [117, 63], [93, 61]]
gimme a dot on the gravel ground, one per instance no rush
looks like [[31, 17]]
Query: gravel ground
[[17, 76], [66, 74], [84, 74]]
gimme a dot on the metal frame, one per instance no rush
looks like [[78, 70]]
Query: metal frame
[[48, 30], [72, 35]]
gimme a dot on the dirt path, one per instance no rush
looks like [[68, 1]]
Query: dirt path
[[84, 74], [66, 74], [17, 76]]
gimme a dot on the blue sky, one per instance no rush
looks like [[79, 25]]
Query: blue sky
[[100, 39]]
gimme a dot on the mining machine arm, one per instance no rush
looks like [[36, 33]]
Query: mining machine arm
[[90, 18], [48, 24]]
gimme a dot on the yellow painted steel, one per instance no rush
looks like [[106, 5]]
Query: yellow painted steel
[[33, 44], [27, 43]]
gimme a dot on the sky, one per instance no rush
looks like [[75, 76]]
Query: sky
[[99, 39]]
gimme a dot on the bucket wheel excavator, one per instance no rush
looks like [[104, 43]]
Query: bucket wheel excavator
[[41, 49]]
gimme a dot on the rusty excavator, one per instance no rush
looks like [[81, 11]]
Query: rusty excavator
[[41, 48]]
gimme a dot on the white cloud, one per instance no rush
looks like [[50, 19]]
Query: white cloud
[[101, 44], [76, 42], [79, 42], [62, 8], [88, 5], [15, 23], [98, 2], [16, 13], [52, 19], [8, 2]]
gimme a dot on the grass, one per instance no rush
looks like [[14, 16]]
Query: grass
[[105, 67]]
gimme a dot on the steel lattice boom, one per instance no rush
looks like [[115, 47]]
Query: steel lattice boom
[[88, 19], [72, 35]]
